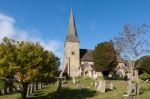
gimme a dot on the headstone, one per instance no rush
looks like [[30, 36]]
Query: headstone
[[28, 90], [146, 81], [111, 86], [42, 84], [59, 83], [74, 81], [96, 84], [31, 88], [101, 86], [78, 85], [129, 87], [14, 89], [136, 75], [3, 91], [34, 86], [137, 89], [39, 85], [7, 90]]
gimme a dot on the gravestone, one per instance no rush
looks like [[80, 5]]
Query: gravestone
[[78, 86], [34, 87], [28, 90], [3, 91], [137, 89], [101, 86], [39, 85], [96, 84], [7, 90], [129, 87], [74, 81], [59, 84], [14, 89], [136, 75], [111, 86], [31, 88]]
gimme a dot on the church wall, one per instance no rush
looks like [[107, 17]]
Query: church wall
[[72, 57]]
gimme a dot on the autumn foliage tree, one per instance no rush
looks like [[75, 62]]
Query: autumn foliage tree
[[104, 57], [26, 62]]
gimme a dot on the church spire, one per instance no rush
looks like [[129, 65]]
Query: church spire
[[72, 33]]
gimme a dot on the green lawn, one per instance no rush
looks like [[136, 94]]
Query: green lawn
[[87, 92]]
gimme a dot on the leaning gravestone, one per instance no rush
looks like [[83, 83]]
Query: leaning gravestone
[[59, 84]]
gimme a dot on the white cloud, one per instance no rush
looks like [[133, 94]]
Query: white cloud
[[8, 29], [6, 26]]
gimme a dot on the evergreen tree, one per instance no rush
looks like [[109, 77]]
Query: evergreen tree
[[104, 57]]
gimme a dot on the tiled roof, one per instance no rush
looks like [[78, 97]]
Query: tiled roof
[[86, 55]]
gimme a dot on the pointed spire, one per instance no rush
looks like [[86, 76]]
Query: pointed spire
[[72, 33]]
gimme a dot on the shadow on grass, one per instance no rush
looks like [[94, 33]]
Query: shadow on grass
[[66, 94]]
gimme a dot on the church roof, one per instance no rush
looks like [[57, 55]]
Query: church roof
[[72, 33], [86, 55]]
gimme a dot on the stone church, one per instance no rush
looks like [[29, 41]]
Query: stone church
[[77, 62]]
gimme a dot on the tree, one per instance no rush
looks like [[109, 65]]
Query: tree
[[144, 64], [7, 57], [132, 43], [25, 62], [104, 57]]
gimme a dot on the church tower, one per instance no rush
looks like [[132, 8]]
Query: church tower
[[72, 49]]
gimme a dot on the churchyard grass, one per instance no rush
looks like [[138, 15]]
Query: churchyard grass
[[69, 91]]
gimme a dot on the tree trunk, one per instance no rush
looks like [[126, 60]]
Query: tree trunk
[[24, 91]]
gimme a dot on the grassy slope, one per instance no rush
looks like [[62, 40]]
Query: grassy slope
[[88, 91]]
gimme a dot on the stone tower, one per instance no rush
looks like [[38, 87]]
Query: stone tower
[[71, 49]]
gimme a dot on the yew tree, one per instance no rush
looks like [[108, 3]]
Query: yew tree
[[104, 57]]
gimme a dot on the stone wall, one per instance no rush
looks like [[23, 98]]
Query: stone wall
[[72, 58]]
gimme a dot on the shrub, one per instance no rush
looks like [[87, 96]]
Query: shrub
[[145, 76]]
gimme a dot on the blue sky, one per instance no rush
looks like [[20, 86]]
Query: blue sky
[[47, 20]]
